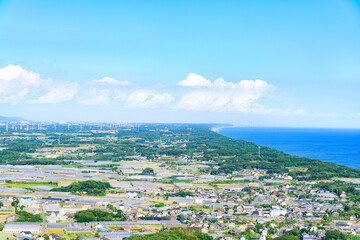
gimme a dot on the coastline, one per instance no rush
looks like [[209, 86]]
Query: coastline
[[217, 128], [303, 142]]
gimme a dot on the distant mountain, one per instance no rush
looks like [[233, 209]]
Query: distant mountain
[[10, 119]]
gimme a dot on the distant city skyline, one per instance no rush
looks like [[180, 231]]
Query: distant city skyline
[[248, 63]]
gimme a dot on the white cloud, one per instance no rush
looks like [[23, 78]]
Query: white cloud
[[136, 98], [15, 73], [110, 80], [120, 96], [194, 80], [147, 98], [223, 96], [16, 83], [19, 85], [96, 100], [96, 97], [58, 94], [15, 98]]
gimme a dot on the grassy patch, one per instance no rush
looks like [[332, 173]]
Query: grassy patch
[[70, 236], [29, 184], [297, 169]]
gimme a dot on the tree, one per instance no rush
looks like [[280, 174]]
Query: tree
[[334, 235], [89, 187], [98, 215], [159, 205], [28, 217], [148, 171], [1, 204], [15, 203]]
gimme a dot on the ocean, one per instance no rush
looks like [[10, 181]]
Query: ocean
[[340, 146]]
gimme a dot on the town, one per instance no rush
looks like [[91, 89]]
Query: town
[[129, 181]]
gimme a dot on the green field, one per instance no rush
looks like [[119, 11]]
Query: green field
[[70, 236], [29, 184], [6, 236]]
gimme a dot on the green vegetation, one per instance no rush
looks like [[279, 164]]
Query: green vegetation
[[334, 235], [159, 205], [285, 237], [28, 217], [41, 162], [148, 171], [179, 194], [173, 234], [338, 187], [89, 187], [98, 215], [20, 184], [224, 155], [8, 156], [245, 156], [72, 236]]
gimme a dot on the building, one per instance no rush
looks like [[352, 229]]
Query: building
[[18, 227]]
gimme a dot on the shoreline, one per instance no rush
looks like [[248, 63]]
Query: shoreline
[[288, 151], [216, 129]]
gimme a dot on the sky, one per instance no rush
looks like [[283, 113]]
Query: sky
[[248, 63]]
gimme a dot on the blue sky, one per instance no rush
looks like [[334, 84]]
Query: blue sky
[[252, 63]]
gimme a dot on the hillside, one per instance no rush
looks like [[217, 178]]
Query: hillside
[[234, 154]]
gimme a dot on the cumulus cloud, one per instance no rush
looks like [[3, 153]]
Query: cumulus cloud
[[109, 80], [58, 94], [20, 85], [194, 80], [16, 83], [148, 98], [14, 75], [221, 95]]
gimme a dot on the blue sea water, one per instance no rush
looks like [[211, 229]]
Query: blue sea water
[[341, 146]]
